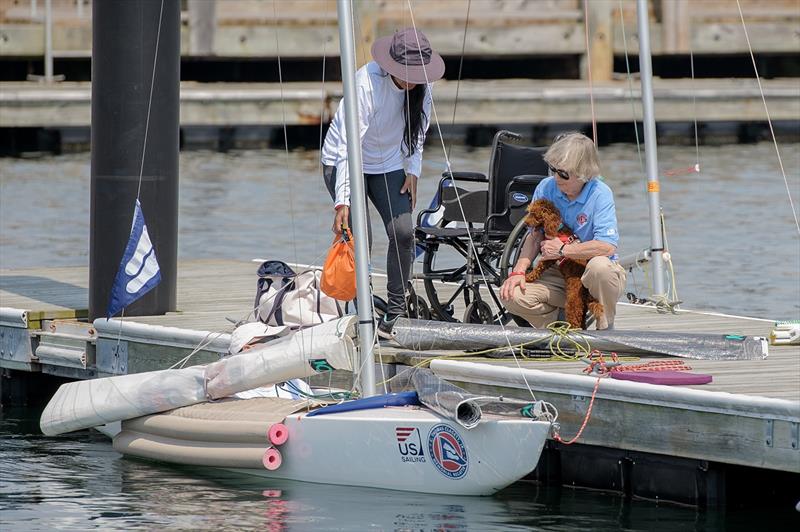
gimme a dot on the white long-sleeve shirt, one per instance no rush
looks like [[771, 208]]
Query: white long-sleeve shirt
[[381, 126]]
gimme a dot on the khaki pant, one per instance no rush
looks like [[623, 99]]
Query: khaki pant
[[539, 305]]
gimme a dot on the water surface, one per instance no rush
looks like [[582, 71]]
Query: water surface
[[730, 228]]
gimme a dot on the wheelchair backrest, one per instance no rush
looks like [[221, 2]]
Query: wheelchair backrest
[[511, 159], [473, 203]]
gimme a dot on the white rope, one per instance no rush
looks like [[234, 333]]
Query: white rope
[[769, 120]]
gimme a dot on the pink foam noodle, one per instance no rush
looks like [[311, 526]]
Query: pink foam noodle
[[278, 434], [272, 459]]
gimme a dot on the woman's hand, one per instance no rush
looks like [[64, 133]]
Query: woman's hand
[[410, 186], [508, 286], [549, 248], [341, 219]]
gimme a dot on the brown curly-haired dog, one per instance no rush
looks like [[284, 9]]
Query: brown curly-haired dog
[[543, 214]]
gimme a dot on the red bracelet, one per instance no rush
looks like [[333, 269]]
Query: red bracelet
[[516, 273]]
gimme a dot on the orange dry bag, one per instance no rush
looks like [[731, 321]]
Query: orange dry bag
[[339, 272]]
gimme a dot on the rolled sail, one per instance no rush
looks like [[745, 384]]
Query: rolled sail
[[84, 404]]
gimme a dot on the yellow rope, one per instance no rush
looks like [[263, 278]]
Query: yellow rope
[[564, 332], [561, 331]]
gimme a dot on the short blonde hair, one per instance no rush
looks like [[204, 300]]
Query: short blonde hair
[[574, 153]]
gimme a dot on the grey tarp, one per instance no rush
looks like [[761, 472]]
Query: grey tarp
[[422, 335], [458, 404]]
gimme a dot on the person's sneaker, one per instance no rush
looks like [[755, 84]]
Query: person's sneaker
[[385, 326]]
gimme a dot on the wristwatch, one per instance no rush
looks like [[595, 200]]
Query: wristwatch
[[561, 250]]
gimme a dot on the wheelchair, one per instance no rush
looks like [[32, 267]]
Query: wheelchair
[[470, 250]]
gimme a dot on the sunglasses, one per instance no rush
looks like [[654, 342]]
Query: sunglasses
[[560, 173]]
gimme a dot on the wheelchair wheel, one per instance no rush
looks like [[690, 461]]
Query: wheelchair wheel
[[479, 311], [442, 307], [509, 258], [513, 248], [416, 306], [463, 282]]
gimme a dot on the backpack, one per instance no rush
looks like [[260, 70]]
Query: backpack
[[284, 297]]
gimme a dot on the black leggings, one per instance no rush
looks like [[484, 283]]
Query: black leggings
[[395, 210]]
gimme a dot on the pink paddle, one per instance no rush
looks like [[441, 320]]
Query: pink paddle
[[671, 378]]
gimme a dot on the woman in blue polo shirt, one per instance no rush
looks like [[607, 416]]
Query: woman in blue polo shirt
[[587, 207]]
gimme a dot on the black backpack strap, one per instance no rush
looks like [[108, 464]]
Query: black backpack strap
[[262, 286]]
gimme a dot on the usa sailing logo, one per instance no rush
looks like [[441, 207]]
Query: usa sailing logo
[[448, 452], [138, 271], [409, 443]]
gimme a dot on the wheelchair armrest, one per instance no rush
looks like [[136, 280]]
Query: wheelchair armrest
[[527, 179], [466, 176]]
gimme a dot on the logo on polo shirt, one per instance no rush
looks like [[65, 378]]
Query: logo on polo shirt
[[582, 219]]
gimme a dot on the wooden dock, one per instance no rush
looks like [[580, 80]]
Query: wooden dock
[[495, 28], [748, 416], [510, 101]]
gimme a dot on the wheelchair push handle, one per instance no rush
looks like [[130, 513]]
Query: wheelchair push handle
[[466, 176]]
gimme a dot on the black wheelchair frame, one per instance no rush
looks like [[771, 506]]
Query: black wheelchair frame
[[488, 233]]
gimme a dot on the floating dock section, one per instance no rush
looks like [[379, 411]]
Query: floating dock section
[[699, 444]]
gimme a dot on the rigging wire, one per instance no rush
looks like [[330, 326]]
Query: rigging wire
[[769, 120], [461, 207], [460, 70], [285, 132], [150, 100], [144, 140], [694, 99], [630, 87], [589, 68]]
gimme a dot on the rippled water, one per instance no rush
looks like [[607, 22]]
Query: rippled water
[[78, 482], [731, 234], [730, 228]]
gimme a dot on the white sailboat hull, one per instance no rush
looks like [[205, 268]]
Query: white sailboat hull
[[410, 450]]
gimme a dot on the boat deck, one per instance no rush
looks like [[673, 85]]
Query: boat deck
[[748, 415]]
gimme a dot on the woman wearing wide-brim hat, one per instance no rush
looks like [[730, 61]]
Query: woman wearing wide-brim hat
[[394, 105]]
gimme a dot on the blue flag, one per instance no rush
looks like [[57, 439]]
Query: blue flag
[[138, 270]]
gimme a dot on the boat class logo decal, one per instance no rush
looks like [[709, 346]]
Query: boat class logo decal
[[448, 452], [520, 197], [409, 443], [581, 219]]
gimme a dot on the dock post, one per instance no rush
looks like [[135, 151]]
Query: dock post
[[124, 145], [601, 41], [202, 27], [675, 26]]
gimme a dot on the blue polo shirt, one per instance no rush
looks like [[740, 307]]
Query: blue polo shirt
[[591, 216]]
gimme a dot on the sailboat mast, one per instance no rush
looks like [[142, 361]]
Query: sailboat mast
[[651, 149], [358, 205]]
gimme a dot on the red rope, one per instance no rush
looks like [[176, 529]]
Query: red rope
[[683, 171], [557, 436], [599, 365]]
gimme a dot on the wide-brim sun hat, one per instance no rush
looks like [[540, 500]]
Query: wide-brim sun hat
[[407, 55]]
